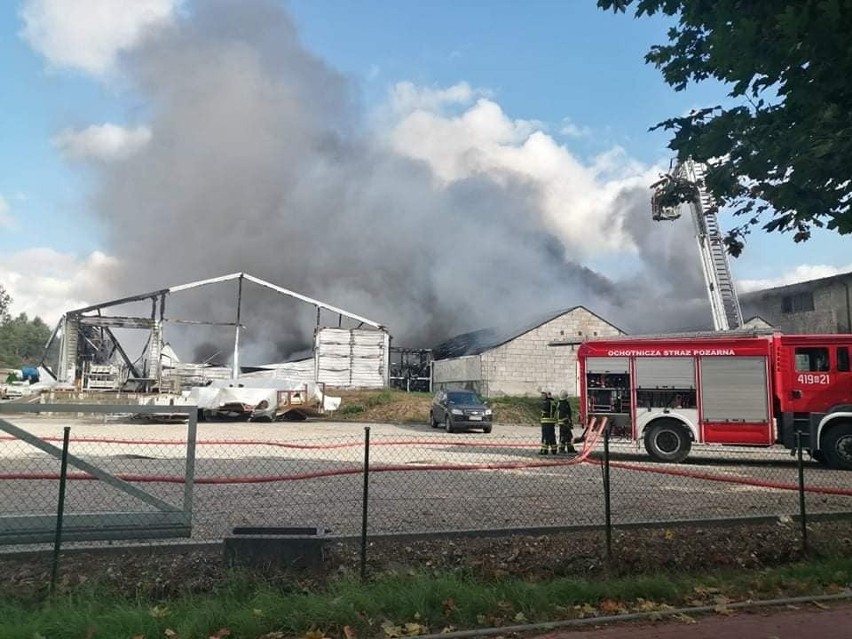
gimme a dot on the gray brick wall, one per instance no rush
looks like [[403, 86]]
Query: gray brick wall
[[457, 369], [527, 365], [831, 312]]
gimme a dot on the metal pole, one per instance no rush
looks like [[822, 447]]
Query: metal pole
[[189, 477], [802, 513], [60, 509], [236, 372], [365, 503], [607, 503]]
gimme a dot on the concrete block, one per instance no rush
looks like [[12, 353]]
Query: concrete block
[[280, 547]]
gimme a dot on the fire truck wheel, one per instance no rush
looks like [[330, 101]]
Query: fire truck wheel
[[837, 445], [666, 440]]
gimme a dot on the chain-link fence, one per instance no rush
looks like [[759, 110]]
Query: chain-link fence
[[313, 475]]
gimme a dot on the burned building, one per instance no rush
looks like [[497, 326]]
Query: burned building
[[539, 356], [348, 351], [816, 306]]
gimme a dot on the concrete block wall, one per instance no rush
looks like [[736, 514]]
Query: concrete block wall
[[457, 369], [528, 364], [831, 314]]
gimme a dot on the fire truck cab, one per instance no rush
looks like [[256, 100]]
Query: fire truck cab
[[740, 388]]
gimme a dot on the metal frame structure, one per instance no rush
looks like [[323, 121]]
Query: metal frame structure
[[86, 332], [168, 521], [724, 303]]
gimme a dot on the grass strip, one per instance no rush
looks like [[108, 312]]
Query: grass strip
[[397, 606]]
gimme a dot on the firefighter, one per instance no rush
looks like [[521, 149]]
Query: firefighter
[[548, 425], [565, 422]]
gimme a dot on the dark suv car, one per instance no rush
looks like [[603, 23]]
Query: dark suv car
[[459, 410]]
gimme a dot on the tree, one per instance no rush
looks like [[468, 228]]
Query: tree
[[781, 157], [5, 303], [22, 340]]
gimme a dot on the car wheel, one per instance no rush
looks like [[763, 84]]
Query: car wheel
[[448, 425], [486, 429], [667, 441], [432, 421]]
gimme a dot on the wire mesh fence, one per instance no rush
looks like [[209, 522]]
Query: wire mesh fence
[[284, 475]]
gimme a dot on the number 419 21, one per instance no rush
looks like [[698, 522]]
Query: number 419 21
[[813, 379]]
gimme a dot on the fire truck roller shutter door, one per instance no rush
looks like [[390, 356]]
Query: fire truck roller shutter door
[[665, 373], [734, 389], [612, 365]]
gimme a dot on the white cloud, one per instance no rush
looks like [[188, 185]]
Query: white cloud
[[578, 201], [572, 130], [46, 283], [102, 142], [89, 34], [407, 97], [6, 219], [800, 273]]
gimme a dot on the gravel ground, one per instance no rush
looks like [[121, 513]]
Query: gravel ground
[[404, 496]]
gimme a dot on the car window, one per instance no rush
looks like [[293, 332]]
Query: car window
[[463, 398]]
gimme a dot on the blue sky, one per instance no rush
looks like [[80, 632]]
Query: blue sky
[[543, 60]]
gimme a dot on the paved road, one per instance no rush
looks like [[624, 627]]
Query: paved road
[[809, 622]]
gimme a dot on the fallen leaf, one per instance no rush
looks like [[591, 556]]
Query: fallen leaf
[[449, 606], [171, 634], [447, 629], [349, 632], [220, 634], [520, 617], [669, 535], [722, 609], [159, 612], [414, 629], [612, 607], [138, 637], [685, 619], [586, 610], [821, 605], [314, 634], [391, 630], [273, 635]]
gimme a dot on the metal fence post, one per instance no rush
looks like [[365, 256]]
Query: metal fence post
[[60, 509], [802, 514], [607, 502], [365, 503]]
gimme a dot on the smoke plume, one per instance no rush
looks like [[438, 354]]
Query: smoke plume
[[451, 218]]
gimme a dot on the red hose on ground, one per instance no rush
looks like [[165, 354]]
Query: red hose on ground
[[729, 480], [280, 444], [595, 431]]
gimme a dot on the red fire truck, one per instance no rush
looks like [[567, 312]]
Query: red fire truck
[[743, 388]]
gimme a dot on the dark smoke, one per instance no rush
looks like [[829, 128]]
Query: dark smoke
[[259, 162]]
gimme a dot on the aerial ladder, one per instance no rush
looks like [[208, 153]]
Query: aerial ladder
[[684, 186]]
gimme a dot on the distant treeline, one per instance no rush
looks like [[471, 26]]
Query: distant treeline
[[21, 339]]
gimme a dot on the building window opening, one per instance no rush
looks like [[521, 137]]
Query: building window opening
[[799, 303], [812, 360]]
